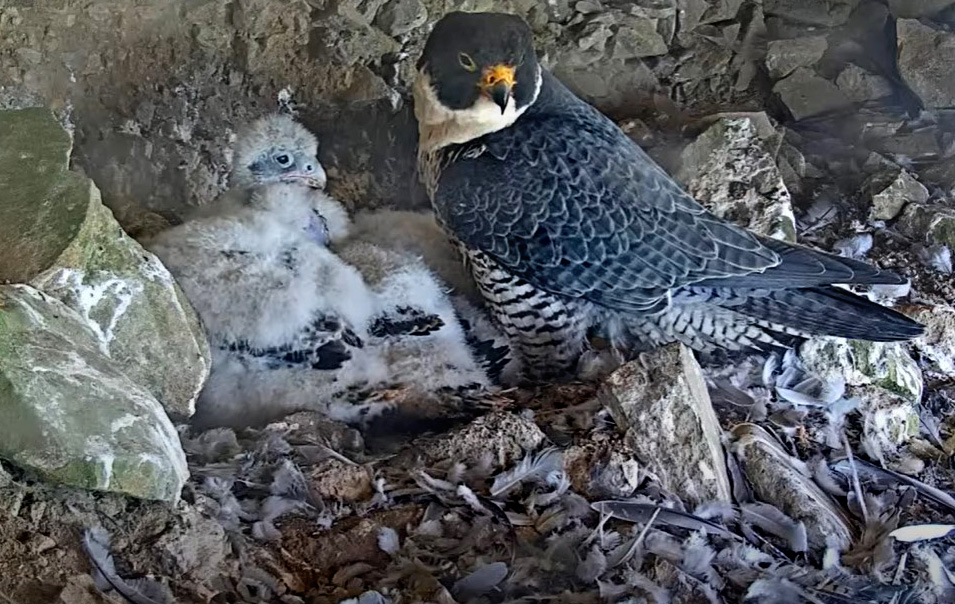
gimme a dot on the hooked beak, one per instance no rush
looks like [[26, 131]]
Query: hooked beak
[[501, 93], [315, 178], [497, 83]]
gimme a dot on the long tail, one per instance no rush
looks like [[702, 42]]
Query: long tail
[[830, 311], [709, 319]]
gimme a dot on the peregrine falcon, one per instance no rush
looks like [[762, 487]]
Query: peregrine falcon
[[293, 323], [570, 229]]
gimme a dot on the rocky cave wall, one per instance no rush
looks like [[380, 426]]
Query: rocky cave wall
[[156, 89]]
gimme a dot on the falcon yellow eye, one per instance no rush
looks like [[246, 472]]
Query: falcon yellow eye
[[467, 62]]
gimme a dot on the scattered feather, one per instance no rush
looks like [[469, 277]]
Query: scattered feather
[[561, 484], [610, 591], [831, 557], [855, 247], [271, 510], [141, 591], [813, 392], [642, 582], [887, 293], [698, 560], [742, 492], [936, 570], [480, 582], [643, 512], [288, 481], [472, 499], [938, 258], [253, 589], [593, 566], [772, 520], [722, 391], [722, 510], [922, 532], [885, 478], [368, 597], [823, 477], [388, 540], [531, 468], [769, 369], [212, 446], [777, 591]]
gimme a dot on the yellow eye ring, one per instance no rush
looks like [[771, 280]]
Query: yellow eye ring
[[467, 62]]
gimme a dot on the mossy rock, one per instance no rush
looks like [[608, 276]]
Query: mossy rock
[[70, 413], [887, 365], [56, 234]]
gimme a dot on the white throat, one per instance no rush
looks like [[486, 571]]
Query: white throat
[[439, 126]]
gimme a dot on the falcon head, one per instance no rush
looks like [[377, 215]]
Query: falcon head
[[478, 70], [274, 149]]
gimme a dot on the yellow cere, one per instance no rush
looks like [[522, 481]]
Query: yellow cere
[[497, 74]]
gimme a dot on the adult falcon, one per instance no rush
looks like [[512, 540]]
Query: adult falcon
[[569, 228]]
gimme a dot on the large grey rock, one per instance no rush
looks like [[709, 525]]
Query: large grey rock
[[932, 224], [785, 56], [699, 12], [401, 16], [661, 403], [827, 14], [887, 365], [731, 171], [637, 38], [937, 345], [69, 412], [925, 57], [787, 483], [58, 236], [941, 174], [806, 93], [913, 9], [859, 85], [891, 191]]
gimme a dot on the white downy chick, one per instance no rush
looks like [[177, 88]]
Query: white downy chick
[[419, 245], [284, 315], [293, 325]]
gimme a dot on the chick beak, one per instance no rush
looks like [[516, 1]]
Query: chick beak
[[497, 82], [312, 176]]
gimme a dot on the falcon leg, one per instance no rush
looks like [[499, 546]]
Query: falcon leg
[[547, 331]]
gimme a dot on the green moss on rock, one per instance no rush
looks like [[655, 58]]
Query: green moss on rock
[[42, 203], [70, 413], [887, 365], [56, 235]]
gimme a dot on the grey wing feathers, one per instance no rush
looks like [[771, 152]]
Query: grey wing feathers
[[803, 267], [566, 201], [405, 321], [831, 311], [589, 221], [324, 344]]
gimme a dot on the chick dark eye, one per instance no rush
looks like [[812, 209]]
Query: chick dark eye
[[283, 159], [467, 62]]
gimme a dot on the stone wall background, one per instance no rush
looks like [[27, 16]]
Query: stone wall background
[[155, 89]]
